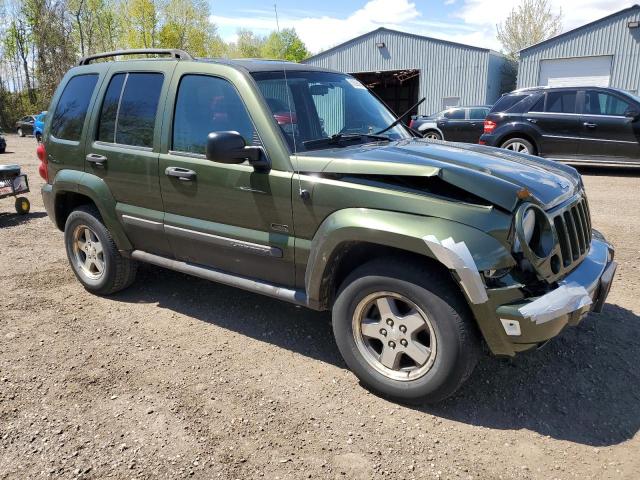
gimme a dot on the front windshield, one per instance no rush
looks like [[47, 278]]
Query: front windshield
[[319, 105]]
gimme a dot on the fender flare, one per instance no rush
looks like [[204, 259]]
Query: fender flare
[[98, 191], [412, 233]]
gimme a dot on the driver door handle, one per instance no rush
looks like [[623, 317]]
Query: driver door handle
[[180, 173], [590, 125]]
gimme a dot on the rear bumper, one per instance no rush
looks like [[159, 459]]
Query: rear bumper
[[528, 322], [488, 139], [47, 199]]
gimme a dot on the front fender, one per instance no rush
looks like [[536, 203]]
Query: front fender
[[398, 230], [98, 191]]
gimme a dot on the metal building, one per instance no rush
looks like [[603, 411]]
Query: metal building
[[604, 53], [401, 68]]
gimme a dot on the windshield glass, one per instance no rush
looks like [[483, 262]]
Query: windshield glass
[[324, 104]]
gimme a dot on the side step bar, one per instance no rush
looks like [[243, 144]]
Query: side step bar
[[298, 297]]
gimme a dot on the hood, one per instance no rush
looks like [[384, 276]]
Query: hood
[[496, 175]]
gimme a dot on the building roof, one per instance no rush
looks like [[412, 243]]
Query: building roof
[[398, 32], [583, 27]]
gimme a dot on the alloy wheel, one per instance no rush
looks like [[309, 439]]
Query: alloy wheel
[[517, 147], [88, 252], [394, 336]]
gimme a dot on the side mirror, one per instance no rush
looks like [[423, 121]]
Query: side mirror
[[230, 147], [632, 114]]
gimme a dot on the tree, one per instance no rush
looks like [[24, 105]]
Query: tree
[[285, 45], [248, 45], [141, 22], [530, 22], [186, 25]]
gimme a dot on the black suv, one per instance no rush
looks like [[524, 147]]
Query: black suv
[[572, 124]]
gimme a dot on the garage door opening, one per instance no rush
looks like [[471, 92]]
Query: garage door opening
[[397, 88]]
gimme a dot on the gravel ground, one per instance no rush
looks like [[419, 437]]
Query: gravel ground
[[177, 377]]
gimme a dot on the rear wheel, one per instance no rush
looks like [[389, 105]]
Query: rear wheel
[[38, 137], [405, 331], [93, 254], [432, 135], [519, 145]]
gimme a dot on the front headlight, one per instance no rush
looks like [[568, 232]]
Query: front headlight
[[534, 232]]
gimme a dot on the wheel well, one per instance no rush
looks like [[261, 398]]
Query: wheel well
[[524, 136], [349, 256], [67, 202]]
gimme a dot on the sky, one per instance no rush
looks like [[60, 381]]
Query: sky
[[323, 24]]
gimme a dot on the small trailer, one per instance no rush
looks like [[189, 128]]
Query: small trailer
[[12, 184]]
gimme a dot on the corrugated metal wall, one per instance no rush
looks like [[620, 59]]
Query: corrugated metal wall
[[611, 36], [446, 69]]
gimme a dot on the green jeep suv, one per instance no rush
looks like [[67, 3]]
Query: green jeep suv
[[296, 182]]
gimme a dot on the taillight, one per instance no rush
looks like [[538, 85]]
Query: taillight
[[489, 126], [43, 169]]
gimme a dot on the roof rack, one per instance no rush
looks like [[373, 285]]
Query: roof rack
[[175, 53]]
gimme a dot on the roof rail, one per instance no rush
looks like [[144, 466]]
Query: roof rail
[[175, 53]]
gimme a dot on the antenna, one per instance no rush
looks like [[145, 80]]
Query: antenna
[[296, 169]]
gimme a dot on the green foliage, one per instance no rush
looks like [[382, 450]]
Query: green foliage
[[285, 45], [41, 39], [529, 23]]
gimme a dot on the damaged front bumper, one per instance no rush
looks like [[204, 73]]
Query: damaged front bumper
[[528, 322]]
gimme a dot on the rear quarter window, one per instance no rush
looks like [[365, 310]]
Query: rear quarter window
[[71, 111], [507, 102]]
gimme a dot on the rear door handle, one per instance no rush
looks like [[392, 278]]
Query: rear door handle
[[590, 125], [97, 160], [180, 173], [532, 120]]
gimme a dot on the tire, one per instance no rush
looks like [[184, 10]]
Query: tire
[[432, 135], [519, 145], [20, 132], [22, 205], [454, 353], [38, 137], [116, 272], [2, 150]]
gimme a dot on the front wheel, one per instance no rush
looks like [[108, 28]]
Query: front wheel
[[20, 132], [38, 136], [519, 145], [93, 254], [405, 331]]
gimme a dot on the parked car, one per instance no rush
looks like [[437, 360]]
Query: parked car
[[24, 126], [570, 124], [423, 251], [38, 126], [455, 124], [3, 144]]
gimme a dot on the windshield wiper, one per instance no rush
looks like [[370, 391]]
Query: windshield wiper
[[401, 117], [340, 138]]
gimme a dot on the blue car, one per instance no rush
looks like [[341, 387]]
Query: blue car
[[38, 126]]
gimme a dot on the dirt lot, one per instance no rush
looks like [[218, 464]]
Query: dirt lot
[[178, 377]]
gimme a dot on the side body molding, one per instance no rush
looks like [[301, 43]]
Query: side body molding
[[401, 231], [96, 189]]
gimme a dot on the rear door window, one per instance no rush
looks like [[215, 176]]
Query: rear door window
[[71, 111], [561, 102], [129, 109]]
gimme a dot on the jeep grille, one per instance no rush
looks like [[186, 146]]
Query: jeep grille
[[573, 227]]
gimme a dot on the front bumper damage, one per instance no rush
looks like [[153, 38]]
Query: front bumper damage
[[528, 322], [510, 320]]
